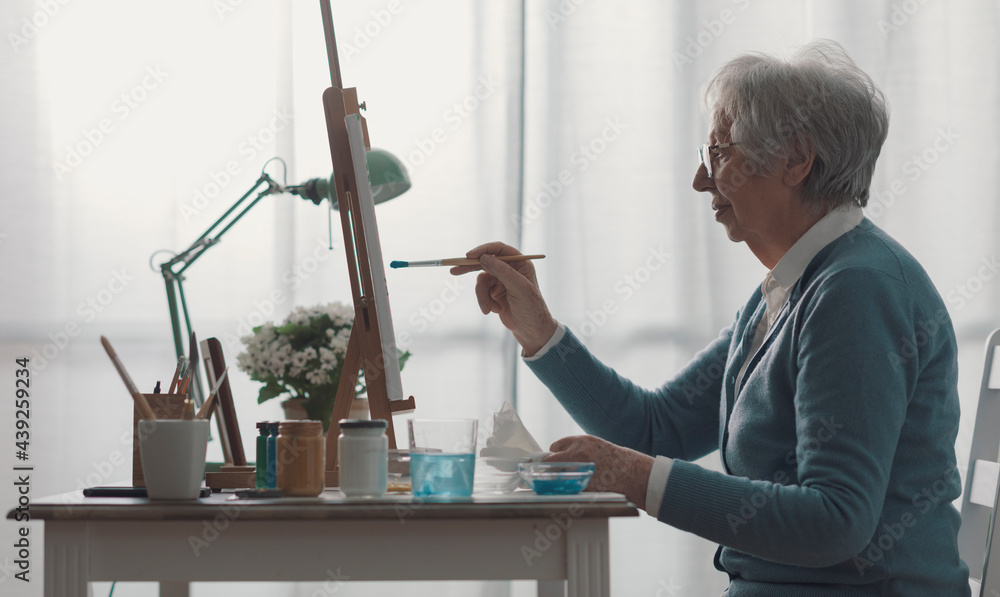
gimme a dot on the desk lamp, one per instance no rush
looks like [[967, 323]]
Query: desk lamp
[[386, 173], [388, 178]]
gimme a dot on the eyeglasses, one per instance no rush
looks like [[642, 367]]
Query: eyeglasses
[[705, 154]]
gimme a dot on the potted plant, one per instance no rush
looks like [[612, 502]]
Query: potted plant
[[303, 357]]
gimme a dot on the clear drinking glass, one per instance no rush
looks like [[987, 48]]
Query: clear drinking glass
[[442, 456]]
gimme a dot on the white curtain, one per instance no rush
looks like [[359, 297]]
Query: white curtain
[[567, 127]]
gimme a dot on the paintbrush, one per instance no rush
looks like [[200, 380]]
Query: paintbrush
[[460, 261], [177, 375], [140, 400]]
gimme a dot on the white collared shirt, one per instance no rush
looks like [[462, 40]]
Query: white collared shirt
[[790, 267]]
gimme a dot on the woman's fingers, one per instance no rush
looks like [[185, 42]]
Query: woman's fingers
[[511, 291], [508, 276], [493, 248], [485, 285]]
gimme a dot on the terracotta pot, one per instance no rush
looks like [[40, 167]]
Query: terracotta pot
[[295, 409]]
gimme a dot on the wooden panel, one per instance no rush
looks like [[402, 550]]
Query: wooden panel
[[226, 407]]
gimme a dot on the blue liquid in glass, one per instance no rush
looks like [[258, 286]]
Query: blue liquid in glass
[[442, 475]]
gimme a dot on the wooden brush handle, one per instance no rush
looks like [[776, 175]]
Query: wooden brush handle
[[140, 400], [504, 258]]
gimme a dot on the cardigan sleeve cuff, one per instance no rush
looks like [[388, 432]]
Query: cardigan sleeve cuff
[[658, 477], [697, 501], [556, 337]]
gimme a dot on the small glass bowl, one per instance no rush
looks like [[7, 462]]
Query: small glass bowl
[[556, 478]]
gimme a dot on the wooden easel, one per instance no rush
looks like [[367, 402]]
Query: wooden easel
[[365, 347]]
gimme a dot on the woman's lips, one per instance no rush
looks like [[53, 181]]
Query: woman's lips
[[719, 210]]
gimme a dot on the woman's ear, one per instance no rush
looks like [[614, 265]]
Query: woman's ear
[[799, 164]]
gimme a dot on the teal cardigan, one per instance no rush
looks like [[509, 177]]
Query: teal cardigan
[[838, 448]]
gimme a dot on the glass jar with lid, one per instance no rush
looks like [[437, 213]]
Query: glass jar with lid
[[363, 455], [301, 458]]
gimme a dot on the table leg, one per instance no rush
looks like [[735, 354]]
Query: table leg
[[67, 556], [587, 560], [174, 589], [551, 588]]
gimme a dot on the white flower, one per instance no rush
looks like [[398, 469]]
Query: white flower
[[328, 359], [340, 312], [317, 376], [269, 357], [299, 316], [339, 340], [279, 358]]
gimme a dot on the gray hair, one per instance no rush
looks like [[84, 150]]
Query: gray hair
[[818, 99]]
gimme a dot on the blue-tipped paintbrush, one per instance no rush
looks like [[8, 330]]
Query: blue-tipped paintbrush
[[459, 261]]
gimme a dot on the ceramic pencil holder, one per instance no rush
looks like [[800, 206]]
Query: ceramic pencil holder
[[165, 406]]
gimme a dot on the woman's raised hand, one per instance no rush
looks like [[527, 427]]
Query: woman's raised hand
[[511, 291]]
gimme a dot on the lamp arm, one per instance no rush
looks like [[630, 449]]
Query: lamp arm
[[173, 279], [189, 255], [272, 188]]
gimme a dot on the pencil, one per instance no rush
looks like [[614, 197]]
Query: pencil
[[460, 261], [183, 386], [140, 400], [177, 374]]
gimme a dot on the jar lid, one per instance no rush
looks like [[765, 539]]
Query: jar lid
[[301, 427], [363, 424]]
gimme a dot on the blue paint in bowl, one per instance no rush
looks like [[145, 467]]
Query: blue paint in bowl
[[556, 478]]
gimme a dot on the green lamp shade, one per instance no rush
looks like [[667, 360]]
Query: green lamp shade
[[387, 176]]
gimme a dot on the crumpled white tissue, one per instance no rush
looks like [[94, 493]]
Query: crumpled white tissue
[[510, 438]]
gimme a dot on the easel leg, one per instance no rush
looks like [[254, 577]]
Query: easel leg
[[67, 557], [345, 393]]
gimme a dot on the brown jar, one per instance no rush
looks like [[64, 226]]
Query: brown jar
[[301, 458]]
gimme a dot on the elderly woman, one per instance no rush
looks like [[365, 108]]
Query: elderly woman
[[832, 397]]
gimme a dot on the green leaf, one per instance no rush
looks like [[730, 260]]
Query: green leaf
[[319, 405], [403, 357], [271, 390]]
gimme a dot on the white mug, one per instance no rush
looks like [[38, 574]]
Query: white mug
[[173, 457]]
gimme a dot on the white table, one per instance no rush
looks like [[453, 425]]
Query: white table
[[559, 541]]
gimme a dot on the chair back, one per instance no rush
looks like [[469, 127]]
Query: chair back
[[979, 499]]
